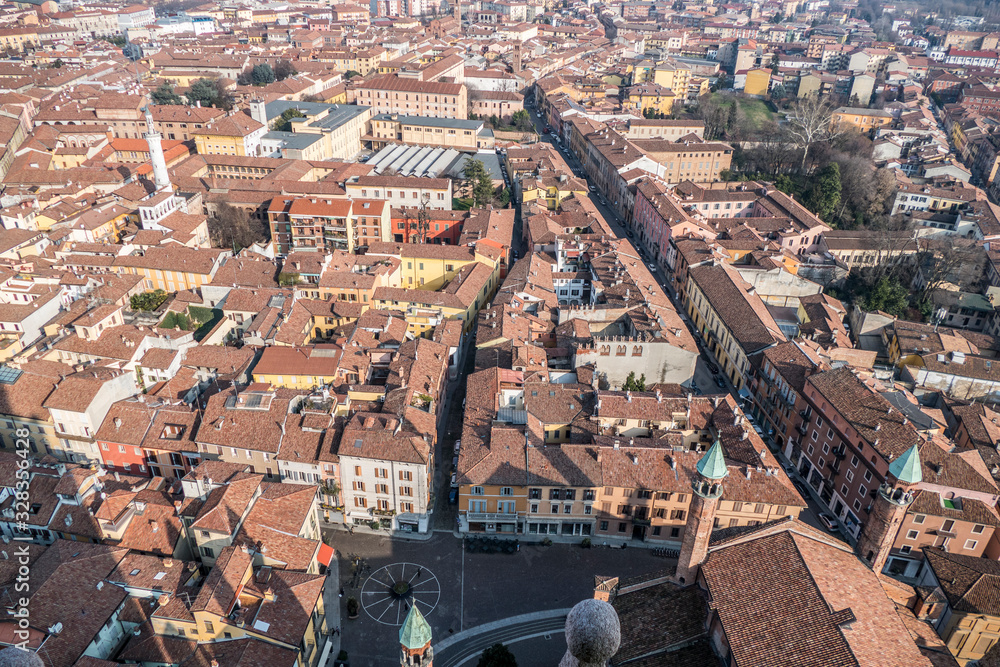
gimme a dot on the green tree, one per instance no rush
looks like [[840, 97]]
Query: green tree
[[165, 95], [784, 183], [209, 92], [633, 384], [57, 63], [284, 124], [503, 199], [888, 295], [350, 74], [478, 181], [824, 197], [148, 300], [497, 655], [522, 121], [287, 279], [262, 74]]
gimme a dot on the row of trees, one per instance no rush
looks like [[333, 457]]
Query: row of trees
[[263, 74], [212, 92]]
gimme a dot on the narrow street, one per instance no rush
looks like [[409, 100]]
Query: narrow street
[[704, 379]]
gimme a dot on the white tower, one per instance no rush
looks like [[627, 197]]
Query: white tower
[[161, 178]]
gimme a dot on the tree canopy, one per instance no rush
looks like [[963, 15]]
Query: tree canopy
[[232, 226], [633, 384], [165, 95], [479, 182], [284, 69], [210, 93], [497, 655], [284, 123]]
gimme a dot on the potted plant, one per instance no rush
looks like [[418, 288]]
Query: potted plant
[[352, 607], [546, 542], [585, 543], [341, 660]]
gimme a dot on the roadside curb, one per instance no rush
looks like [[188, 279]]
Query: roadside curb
[[464, 635]]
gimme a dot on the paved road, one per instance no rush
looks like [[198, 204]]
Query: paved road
[[470, 648]]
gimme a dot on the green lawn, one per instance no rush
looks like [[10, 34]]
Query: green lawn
[[197, 319], [757, 111]]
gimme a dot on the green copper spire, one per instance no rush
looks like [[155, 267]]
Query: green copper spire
[[713, 464], [907, 467], [415, 633]]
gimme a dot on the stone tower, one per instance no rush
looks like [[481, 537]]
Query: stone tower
[[517, 57], [161, 177], [458, 12], [701, 517], [415, 640], [893, 498]]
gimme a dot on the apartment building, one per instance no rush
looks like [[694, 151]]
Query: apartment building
[[139, 438], [467, 135], [394, 94], [400, 191], [387, 472], [620, 485], [731, 317], [281, 613], [860, 120], [246, 426], [326, 224]]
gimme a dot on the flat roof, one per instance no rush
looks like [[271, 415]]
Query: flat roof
[[293, 140], [337, 114]]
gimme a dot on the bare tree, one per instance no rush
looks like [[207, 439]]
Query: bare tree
[[810, 121], [423, 221], [770, 154], [958, 261]]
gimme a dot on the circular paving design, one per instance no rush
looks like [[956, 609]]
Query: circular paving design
[[388, 593]]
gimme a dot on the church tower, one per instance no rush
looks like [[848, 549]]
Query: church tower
[[161, 178], [415, 640], [701, 518], [893, 498]]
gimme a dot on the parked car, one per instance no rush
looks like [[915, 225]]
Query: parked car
[[652, 267], [453, 496], [454, 480], [458, 443], [791, 472], [829, 522], [801, 488], [454, 462], [712, 368], [719, 382], [593, 189]]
